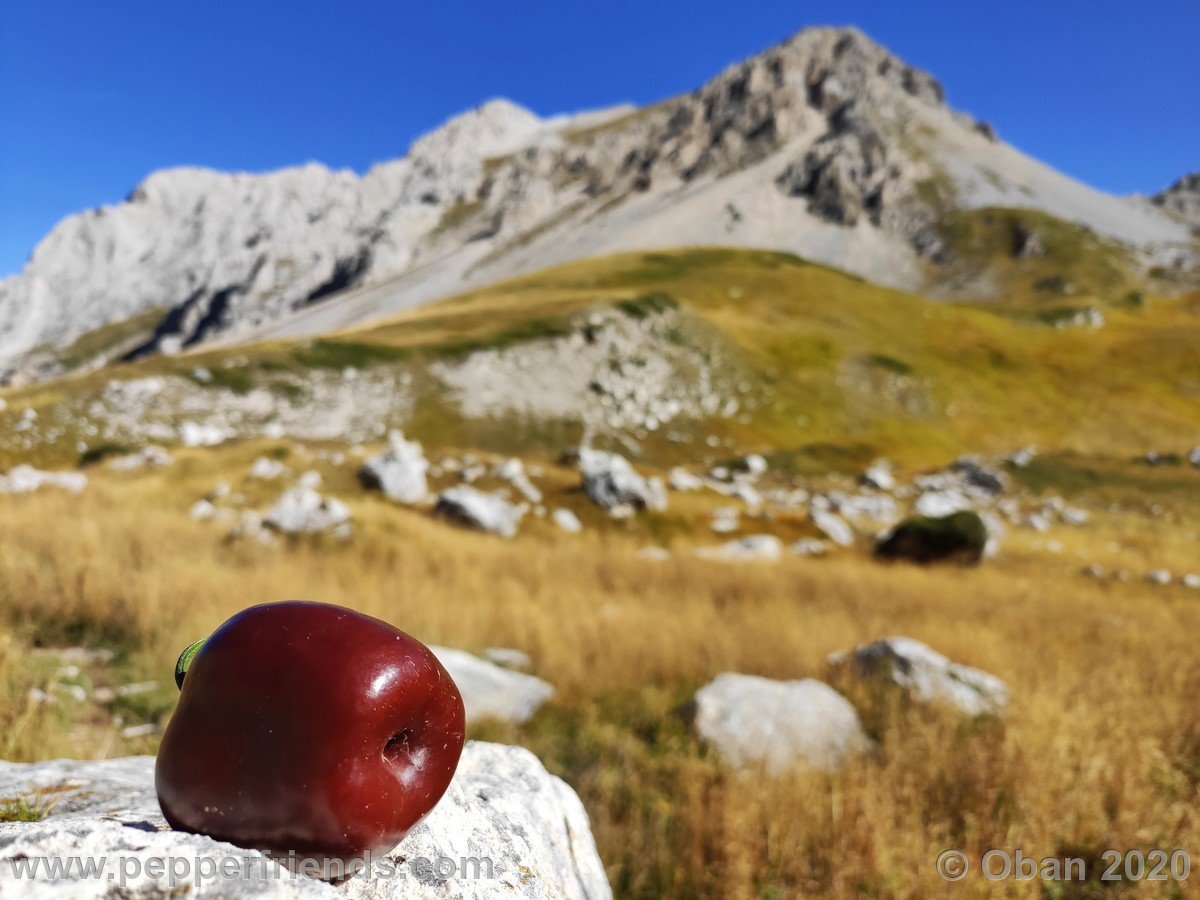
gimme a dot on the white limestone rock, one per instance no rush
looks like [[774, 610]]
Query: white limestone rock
[[302, 510], [755, 722], [399, 471], [879, 476], [489, 691], [513, 472], [472, 508], [567, 520], [938, 504], [680, 479], [198, 434], [268, 469], [152, 457], [752, 548], [25, 479], [502, 808], [927, 675], [832, 526], [611, 482]]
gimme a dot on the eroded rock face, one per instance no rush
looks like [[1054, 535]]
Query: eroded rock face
[[755, 721], [1183, 198], [927, 675], [506, 826]]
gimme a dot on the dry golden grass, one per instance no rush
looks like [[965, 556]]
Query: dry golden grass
[[1100, 748]]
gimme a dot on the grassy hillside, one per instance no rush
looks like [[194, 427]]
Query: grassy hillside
[[1100, 746], [836, 368]]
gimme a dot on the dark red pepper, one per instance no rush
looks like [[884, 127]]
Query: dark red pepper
[[309, 728]]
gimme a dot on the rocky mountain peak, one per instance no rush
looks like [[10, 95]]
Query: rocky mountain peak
[[826, 145], [1182, 197]]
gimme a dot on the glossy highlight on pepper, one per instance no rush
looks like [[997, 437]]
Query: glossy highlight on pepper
[[309, 729]]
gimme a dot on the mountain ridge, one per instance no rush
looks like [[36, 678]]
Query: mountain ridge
[[825, 144]]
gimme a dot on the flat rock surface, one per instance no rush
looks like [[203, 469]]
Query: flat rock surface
[[506, 828]]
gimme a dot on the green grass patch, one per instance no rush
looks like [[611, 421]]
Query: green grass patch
[[891, 364], [531, 330], [332, 354], [25, 809], [647, 305]]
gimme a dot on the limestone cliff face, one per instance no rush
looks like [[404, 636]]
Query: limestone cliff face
[[825, 145]]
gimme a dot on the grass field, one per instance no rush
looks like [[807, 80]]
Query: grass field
[[1101, 744]]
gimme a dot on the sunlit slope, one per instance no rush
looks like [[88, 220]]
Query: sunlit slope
[[839, 370]]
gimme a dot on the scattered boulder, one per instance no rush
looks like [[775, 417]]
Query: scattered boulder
[[251, 527], [195, 434], [268, 469], [680, 479], [725, 520], [512, 471], [310, 479], [751, 467], [958, 538], [1020, 459], [1073, 515], [202, 511], [755, 721], [754, 547], [937, 504], [472, 508], [832, 526], [399, 471], [25, 479], [502, 807], [1159, 576], [151, 457], [567, 520], [976, 475], [927, 675], [611, 482], [492, 692], [302, 510], [879, 476], [809, 547]]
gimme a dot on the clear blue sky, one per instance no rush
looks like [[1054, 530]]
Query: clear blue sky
[[94, 94]]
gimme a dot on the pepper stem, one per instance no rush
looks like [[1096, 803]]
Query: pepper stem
[[185, 660]]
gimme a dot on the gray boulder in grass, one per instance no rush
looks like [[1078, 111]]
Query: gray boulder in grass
[[961, 537], [399, 471], [490, 691], [758, 722], [472, 508], [610, 482], [927, 675], [506, 828]]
